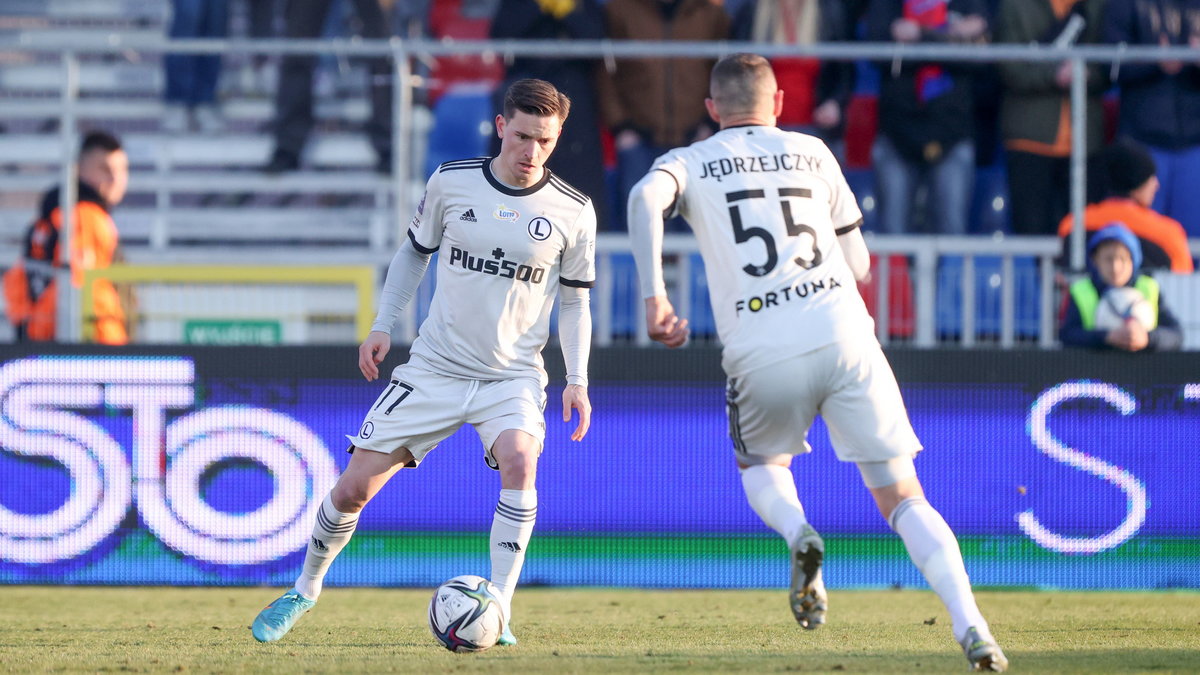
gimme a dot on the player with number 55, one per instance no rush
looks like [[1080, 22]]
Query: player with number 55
[[778, 228]]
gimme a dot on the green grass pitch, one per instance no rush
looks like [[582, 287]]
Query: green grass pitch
[[87, 629]]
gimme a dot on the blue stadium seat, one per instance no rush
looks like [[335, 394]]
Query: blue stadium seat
[[626, 298], [948, 309], [862, 183], [462, 125], [989, 201], [700, 315], [866, 78]]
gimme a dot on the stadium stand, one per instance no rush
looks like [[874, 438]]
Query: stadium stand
[[184, 189], [988, 279], [462, 124], [198, 198]]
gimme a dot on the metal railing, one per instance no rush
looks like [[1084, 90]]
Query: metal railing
[[403, 54]]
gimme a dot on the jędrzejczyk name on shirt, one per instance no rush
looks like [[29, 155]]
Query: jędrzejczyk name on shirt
[[728, 166]]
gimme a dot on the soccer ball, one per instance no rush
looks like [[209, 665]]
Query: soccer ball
[[1119, 304], [466, 614]]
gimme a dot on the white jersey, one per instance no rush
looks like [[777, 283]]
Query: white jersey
[[502, 253], [767, 206]]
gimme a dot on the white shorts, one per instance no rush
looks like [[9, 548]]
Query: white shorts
[[852, 386], [419, 409]]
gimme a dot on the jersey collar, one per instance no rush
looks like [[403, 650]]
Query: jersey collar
[[514, 192]]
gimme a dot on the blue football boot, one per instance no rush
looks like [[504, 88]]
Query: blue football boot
[[277, 618]]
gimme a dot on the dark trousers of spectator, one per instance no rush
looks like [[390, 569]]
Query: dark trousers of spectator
[[294, 98], [1039, 189], [949, 183], [192, 78], [261, 15]]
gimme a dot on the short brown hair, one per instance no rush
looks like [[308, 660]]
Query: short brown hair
[[740, 81], [99, 140], [536, 97]]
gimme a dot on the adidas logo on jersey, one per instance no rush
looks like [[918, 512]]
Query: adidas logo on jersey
[[510, 545], [469, 216]]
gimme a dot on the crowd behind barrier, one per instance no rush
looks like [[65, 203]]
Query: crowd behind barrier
[[217, 192]]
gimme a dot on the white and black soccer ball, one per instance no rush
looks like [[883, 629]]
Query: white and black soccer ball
[[1119, 304], [466, 614]]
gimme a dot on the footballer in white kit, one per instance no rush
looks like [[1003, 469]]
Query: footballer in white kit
[[503, 253], [767, 207], [510, 238], [778, 229]]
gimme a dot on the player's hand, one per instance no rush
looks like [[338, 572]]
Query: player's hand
[[576, 397], [372, 352], [663, 324]]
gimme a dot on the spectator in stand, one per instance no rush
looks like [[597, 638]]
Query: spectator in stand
[[30, 286], [1132, 184], [653, 105], [1035, 115], [926, 114], [294, 97], [191, 79], [1114, 261], [1160, 102], [816, 93], [259, 25], [577, 158]]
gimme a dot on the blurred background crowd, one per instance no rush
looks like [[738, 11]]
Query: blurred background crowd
[[933, 144], [942, 148]]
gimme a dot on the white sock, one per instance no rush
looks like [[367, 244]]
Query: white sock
[[331, 532], [934, 549], [771, 491], [512, 527]]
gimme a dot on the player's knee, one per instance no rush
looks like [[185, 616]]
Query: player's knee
[[517, 465], [518, 461], [349, 496]]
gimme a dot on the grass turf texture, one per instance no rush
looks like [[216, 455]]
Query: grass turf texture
[[86, 629]]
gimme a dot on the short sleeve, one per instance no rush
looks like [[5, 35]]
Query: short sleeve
[[425, 230], [578, 267]]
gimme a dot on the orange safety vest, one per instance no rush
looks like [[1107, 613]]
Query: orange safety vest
[[29, 286]]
